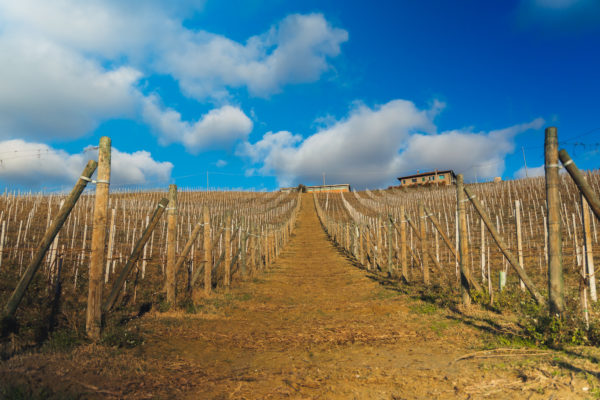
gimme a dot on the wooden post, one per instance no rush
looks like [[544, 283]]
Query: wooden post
[[389, 242], [556, 296], [135, 254], [463, 249], [228, 228], [587, 243], [97, 258], [403, 260], [424, 249], [513, 261], [46, 241], [207, 253], [519, 238], [172, 239], [582, 184]]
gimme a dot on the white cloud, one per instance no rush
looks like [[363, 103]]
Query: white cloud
[[49, 91], [221, 163], [373, 146], [69, 65], [39, 165], [151, 36], [531, 172], [218, 129], [294, 51]]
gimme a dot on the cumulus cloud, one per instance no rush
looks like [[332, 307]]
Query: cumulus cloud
[[531, 172], [49, 91], [39, 165], [151, 36], [373, 146], [220, 128], [68, 65], [296, 50]]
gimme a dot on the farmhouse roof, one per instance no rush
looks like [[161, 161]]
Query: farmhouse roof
[[447, 171]]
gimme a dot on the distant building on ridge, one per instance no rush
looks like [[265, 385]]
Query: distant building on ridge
[[434, 178]]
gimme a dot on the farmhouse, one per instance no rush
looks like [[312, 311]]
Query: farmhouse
[[446, 177]]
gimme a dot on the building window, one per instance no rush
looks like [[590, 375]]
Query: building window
[[441, 176], [423, 179], [414, 180], [431, 178]]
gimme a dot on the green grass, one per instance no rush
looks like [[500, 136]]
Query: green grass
[[423, 308]]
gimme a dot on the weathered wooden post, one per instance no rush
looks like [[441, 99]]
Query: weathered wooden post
[[228, 227], [582, 184], [519, 239], [424, 249], [587, 243], [207, 253], [463, 249], [389, 241], [403, 260], [556, 296], [172, 239], [46, 241], [188, 246], [93, 321]]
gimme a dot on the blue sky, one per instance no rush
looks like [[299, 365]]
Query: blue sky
[[261, 94]]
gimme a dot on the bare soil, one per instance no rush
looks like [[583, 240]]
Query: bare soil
[[312, 327]]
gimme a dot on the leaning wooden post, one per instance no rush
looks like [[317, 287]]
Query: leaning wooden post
[[135, 255], [207, 254], [512, 259], [582, 184], [227, 275], [188, 246], [93, 322], [46, 241], [556, 296], [171, 241], [463, 250], [423, 233]]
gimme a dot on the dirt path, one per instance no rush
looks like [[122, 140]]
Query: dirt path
[[314, 326]]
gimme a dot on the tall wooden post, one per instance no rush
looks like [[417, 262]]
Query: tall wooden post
[[587, 242], [403, 260], [556, 298], [98, 256], [519, 239], [172, 236], [228, 227], [463, 249], [207, 253], [389, 242], [423, 233]]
